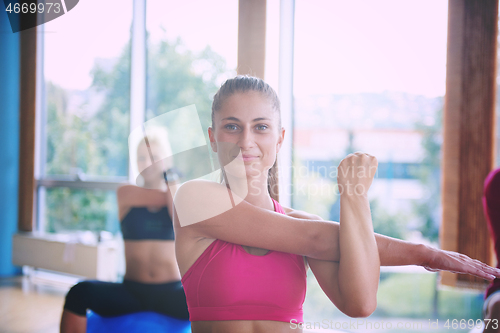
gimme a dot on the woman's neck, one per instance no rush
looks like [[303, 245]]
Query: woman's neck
[[253, 190]]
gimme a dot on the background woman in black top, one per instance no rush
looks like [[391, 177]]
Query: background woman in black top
[[152, 279]]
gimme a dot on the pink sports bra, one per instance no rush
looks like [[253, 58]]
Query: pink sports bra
[[228, 283]]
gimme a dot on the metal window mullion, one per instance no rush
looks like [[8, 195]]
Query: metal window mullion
[[40, 128], [85, 185], [137, 69], [287, 12]]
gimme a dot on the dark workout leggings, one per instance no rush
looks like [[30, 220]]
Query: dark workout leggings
[[112, 299]]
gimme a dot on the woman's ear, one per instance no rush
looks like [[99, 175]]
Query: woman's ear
[[211, 136], [280, 139]]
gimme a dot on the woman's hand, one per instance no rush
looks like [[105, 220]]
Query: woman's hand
[[355, 173], [436, 260]]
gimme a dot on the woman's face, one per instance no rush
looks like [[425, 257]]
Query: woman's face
[[247, 128], [151, 172]]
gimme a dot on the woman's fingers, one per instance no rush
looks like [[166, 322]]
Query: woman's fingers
[[460, 263], [491, 271], [481, 269]]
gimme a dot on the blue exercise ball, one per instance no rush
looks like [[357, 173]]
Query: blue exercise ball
[[138, 322]]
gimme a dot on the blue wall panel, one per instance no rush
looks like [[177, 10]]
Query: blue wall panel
[[9, 140]]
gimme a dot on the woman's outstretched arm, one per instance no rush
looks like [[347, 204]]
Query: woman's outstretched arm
[[397, 252], [211, 216]]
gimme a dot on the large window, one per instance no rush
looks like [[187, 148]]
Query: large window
[[370, 76], [89, 105], [85, 117]]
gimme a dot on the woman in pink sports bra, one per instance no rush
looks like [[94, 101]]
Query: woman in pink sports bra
[[243, 257]]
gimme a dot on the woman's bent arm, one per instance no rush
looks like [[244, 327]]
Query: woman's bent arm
[[359, 264]]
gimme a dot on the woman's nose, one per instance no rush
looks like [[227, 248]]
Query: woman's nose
[[247, 139]]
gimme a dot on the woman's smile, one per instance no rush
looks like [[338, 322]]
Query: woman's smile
[[249, 157]]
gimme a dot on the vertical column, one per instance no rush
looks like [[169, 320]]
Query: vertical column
[[9, 137], [469, 119], [137, 70], [27, 107], [39, 222], [251, 37], [287, 19]]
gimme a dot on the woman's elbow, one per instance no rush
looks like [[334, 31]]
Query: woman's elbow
[[361, 310], [368, 309]]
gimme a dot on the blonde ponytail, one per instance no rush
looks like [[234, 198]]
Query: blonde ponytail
[[273, 181]]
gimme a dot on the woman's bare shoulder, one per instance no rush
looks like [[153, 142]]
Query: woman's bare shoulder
[[131, 195], [126, 188], [129, 188], [125, 191], [202, 191], [133, 189], [199, 200]]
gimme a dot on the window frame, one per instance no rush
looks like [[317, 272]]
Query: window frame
[[137, 111]]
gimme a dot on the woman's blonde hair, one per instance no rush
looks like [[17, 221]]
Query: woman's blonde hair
[[245, 83], [157, 136]]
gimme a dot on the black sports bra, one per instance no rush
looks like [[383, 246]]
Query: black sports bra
[[141, 224]]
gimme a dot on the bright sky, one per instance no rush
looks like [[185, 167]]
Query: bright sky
[[92, 29], [340, 46], [370, 46]]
